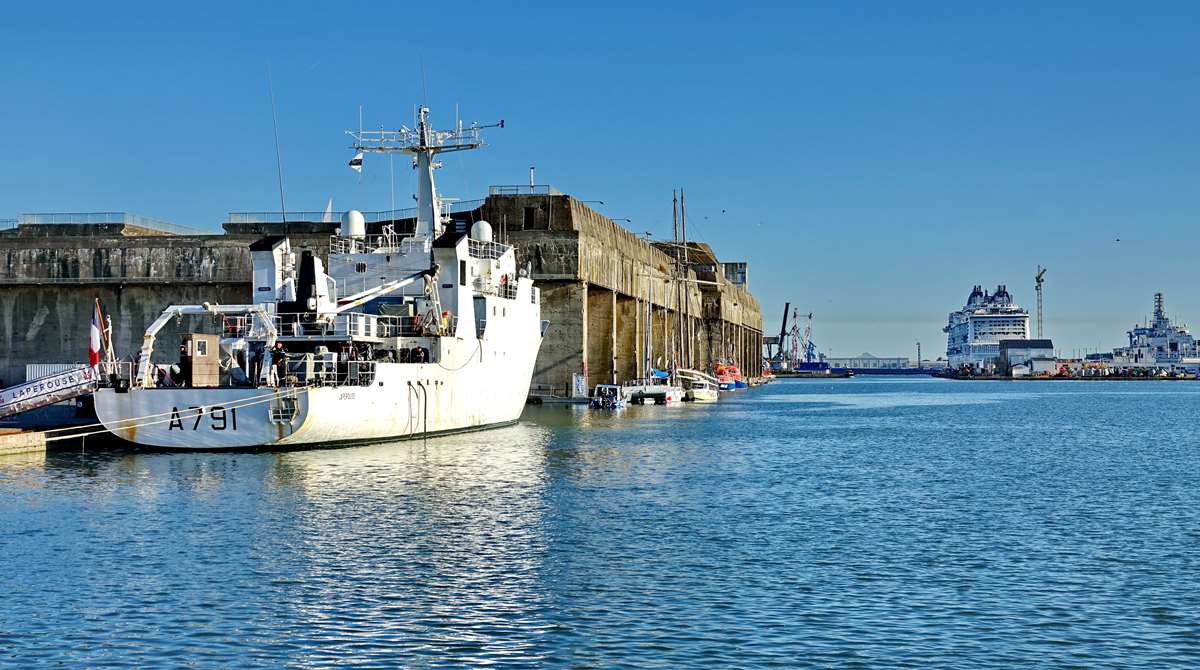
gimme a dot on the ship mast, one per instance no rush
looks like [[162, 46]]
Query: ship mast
[[423, 143]]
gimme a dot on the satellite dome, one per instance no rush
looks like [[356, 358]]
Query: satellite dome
[[353, 224], [482, 231]]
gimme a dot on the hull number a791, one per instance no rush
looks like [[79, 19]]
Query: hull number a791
[[219, 418]]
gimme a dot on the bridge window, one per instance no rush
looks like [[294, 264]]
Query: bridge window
[[462, 273]]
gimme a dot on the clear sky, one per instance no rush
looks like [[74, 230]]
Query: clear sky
[[872, 161]]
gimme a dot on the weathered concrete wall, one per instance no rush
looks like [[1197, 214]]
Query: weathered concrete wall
[[51, 323], [564, 240], [626, 341], [48, 285], [564, 304], [601, 341], [201, 258]]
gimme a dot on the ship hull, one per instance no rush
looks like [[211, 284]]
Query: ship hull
[[403, 401]]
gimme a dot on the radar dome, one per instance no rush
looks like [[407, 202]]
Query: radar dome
[[353, 224], [482, 231]]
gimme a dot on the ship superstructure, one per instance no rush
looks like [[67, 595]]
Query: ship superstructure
[[973, 333], [1158, 343], [403, 335]]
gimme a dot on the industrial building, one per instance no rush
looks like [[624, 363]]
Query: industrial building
[[1020, 358], [868, 361]]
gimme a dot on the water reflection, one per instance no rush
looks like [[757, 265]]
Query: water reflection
[[439, 544]]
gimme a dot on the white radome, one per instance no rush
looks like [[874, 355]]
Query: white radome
[[353, 224]]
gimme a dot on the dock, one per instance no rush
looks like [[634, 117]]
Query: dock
[[16, 441], [616, 303]]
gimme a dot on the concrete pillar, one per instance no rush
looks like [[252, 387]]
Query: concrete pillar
[[627, 346], [599, 334], [657, 332], [639, 336], [564, 304]]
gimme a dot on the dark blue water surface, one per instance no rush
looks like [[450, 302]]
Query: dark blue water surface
[[845, 523]]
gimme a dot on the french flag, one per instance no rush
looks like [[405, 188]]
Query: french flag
[[96, 336]]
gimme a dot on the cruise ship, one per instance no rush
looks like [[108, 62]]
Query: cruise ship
[[973, 333], [1157, 344], [398, 336]]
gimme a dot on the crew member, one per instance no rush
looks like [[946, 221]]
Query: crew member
[[278, 370]]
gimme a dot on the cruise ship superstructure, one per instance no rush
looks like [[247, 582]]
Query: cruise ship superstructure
[[401, 336], [973, 333]]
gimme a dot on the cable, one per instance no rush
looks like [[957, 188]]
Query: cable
[[478, 349], [424, 414]]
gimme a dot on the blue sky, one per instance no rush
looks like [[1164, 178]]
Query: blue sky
[[872, 162]]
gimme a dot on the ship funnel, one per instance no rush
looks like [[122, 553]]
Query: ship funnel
[[353, 224], [482, 231]]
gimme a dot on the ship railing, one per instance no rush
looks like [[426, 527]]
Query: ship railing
[[506, 288], [648, 381], [328, 370], [527, 189], [491, 250], [113, 372], [449, 206], [346, 324], [105, 218], [389, 241], [343, 244], [418, 326]]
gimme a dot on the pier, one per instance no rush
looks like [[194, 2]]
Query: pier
[[616, 303], [13, 441]]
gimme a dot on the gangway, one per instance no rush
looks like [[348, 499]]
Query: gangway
[[47, 390]]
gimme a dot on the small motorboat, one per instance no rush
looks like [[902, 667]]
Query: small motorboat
[[697, 386], [608, 396]]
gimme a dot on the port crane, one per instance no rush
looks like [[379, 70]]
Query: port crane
[[775, 349], [1038, 280], [793, 347], [807, 346]]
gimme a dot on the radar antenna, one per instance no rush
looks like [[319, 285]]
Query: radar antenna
[[423, 142]]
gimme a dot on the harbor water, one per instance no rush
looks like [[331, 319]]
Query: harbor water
[[876, 522]]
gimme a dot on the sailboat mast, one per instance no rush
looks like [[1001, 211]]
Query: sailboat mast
[[678, 287], [688, 358]]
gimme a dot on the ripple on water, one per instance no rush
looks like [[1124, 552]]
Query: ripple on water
[[849, 523]]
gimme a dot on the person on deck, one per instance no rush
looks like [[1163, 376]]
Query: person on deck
[[278, 370]]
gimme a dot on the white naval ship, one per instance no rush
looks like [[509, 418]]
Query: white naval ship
[[401, 336], [1158, 344]]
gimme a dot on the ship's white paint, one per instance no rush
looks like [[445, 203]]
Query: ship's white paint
[[475, 318], [489, 389], [973, 333]]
